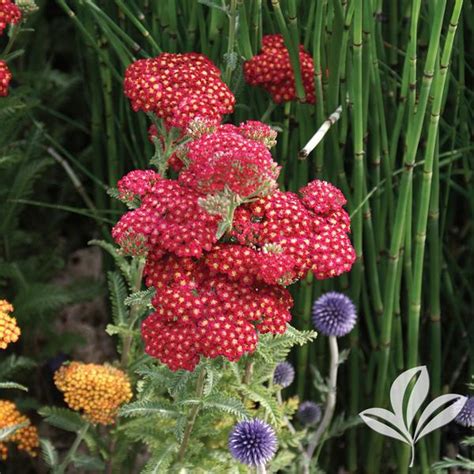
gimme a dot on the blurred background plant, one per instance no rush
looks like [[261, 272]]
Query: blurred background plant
[[401, 152]]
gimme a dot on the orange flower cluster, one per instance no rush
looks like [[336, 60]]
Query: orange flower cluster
[[9, 331], [96, 390], [26, 438]]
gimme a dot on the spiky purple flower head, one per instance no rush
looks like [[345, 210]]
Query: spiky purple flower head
[[253, 442], [309, 413], [334, 314], [284, 374], [466, 416]]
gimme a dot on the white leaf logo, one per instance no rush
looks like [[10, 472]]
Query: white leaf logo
[[397, 424], [443, 417]]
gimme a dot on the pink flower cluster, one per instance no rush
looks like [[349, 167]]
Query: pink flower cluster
[[214, 296], [5, 78], [221, 242], [228, 159], [9, 14], [272, 70], [178, 88]]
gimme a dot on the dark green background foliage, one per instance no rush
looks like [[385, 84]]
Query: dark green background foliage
[[402, 153]]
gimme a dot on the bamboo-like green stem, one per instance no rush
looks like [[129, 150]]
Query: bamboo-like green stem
[[293, 47], [416, 124], [231, 41], [424, 198]]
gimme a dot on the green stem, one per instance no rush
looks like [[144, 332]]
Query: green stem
[[133, 314], [192, 416], [61, 469]]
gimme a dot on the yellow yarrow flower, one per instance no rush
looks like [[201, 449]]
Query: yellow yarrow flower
[[9, 330], [96, 390], [26, 438]]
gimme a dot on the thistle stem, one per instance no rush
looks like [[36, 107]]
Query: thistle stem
[[330, 400]]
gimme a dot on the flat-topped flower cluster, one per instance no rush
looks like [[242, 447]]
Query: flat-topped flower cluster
[[221, 241]]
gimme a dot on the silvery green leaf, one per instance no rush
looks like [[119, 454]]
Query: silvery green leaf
[[417, 396], [383, 428], [13, 385], [343, 355], [48, 453], [442, 418], [5, 433]]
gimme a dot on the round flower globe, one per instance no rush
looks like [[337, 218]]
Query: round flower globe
[[253, 442], [309, 413], [334, 314], [284, 374], [466, 416]]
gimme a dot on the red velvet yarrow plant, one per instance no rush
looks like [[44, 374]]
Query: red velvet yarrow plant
[[221, 242], [272, 70]]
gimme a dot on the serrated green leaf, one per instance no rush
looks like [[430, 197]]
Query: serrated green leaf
[[62, 418], [141, 297], [13, 385], [118, 292], [160, 459], [119, 259], [88, 463], [13, 364], [230, 405], [263, 396], [6, 432], [148, 408], [282, 460], [48, 453], [112, 329]]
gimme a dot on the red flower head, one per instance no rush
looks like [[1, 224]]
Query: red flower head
[[282, 237], [178, 88], [199, 314], [9, 14], [5, 77], [226, 159], [272, 70], [168, 219]]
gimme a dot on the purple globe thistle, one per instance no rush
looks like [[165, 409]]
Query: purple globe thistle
[[253, 442], [309, 413], [284, 374], [334, 314], [466, 416]]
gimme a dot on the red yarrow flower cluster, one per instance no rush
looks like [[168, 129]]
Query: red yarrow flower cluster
[[281, 237], [199, 313], [5, 78], [226, 159], [178, 88], [221, 243], [169, 218], [9, 14], [272, 70]]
